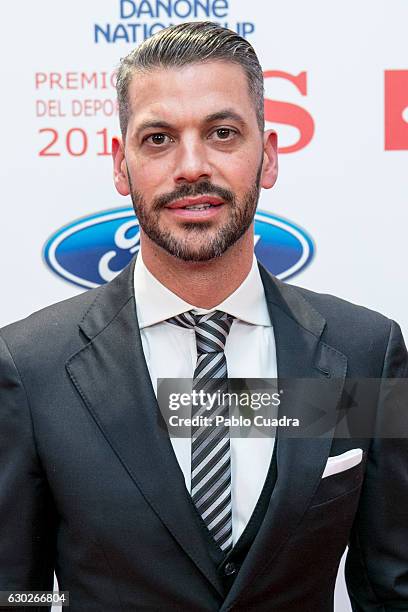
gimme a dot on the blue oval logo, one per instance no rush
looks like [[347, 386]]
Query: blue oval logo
[[93, 250]]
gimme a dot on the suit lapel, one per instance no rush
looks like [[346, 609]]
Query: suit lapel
[[300, 462], [112, 378]]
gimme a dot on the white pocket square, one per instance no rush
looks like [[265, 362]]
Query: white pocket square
[[343, 462]]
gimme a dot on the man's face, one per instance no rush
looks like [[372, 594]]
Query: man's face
[[194, 159]]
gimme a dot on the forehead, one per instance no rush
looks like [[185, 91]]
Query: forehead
[[188, 93]]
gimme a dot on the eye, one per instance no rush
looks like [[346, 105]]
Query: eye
[[158, 139], [225, 133]]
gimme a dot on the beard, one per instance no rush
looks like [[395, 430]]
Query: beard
[[200, 241]]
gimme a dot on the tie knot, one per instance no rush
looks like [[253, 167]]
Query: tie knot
[[211, 328]]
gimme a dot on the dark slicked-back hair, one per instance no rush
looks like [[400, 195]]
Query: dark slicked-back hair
[[191, 43]]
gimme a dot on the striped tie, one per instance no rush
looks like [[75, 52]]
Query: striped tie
[[210, 446]]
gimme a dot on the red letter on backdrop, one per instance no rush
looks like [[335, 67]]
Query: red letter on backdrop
[[291, 114], [396, 101]]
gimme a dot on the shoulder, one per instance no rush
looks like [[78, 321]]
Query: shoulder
[[317, 311], [352, 329], [338, 311], [56, 332], [51, 326]]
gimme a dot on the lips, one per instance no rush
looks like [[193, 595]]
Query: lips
[[195, 210], [200, 203]]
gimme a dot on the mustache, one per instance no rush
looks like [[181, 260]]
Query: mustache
[[190, 190]]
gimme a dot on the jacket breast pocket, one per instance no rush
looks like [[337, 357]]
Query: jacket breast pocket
[[340, 483]]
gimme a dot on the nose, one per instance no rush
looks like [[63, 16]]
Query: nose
[[192, 162]]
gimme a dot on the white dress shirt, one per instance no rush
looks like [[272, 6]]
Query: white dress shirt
[[171, 352]]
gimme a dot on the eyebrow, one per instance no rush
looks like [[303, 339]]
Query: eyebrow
[[218, 116], [225, 114]]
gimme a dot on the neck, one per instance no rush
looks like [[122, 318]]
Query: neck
[[202, 284]]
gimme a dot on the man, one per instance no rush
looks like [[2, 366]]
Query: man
[[92, 486]]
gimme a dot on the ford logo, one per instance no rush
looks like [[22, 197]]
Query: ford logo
[[93, 250]]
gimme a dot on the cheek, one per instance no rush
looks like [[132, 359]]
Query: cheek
[[150, 177], [239, 169], [240, 179]]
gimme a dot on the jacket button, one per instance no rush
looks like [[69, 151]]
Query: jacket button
[[230, 569]]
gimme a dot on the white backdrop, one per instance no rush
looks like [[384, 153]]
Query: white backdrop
[[343, 66]]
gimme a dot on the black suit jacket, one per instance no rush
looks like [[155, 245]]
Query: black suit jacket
[[90, 485]]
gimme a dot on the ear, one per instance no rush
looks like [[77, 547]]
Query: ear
[[270, 159], [120, 176]]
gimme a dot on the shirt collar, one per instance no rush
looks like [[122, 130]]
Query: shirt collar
[[156, 303]]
